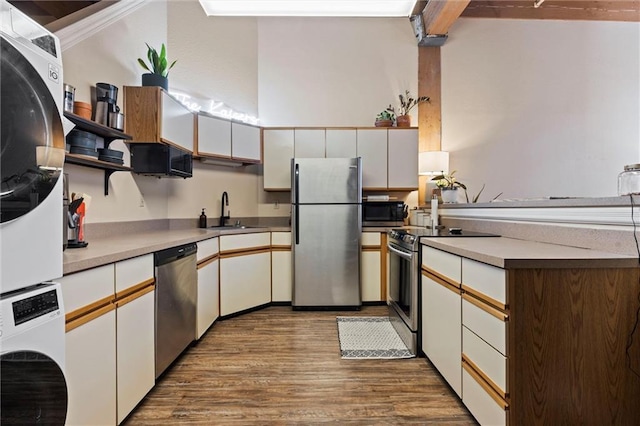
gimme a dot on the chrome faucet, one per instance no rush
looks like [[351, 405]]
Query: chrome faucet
[[223, 202]]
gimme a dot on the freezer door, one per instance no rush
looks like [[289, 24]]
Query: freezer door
[[326, 180], [326, 255]]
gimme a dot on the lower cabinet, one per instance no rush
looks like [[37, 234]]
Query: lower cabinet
[[441, 323], [90, 370], [281, 282], [135, 349], [245, 282], [208, 307], [372, 276]]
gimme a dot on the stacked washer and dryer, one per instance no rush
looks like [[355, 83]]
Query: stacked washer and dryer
[[32, 318]]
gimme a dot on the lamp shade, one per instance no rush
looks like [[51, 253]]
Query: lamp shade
[[433, 163]]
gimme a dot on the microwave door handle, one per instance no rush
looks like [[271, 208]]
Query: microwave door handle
[[402, 254]]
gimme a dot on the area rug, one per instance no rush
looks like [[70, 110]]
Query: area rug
[[370, 338]]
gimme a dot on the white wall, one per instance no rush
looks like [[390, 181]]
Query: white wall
[[333, 71], [541, 108]]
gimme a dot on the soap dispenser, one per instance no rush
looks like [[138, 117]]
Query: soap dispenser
[[203, 219]]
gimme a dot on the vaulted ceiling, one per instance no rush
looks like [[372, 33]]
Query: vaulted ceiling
[[48, 11]]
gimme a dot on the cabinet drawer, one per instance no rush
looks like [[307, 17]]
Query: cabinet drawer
[[84, 288], [485, 279], [281, 238], [207, 248], [134, 271], [244, 241], [484, 323], [446, 264], [480, 403], [371, 239], [488, 360]]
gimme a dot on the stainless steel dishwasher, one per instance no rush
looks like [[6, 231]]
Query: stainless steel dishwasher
[[176, 295]]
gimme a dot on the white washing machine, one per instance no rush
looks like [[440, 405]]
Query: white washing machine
[[31, 152], [33, 389]]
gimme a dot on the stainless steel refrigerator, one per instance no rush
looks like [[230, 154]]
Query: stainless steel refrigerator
[[326, 224]]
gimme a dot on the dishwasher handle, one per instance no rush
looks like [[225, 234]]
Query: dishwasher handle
[[163, 257]]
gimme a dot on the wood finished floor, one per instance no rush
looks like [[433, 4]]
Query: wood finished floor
[[278, 366]]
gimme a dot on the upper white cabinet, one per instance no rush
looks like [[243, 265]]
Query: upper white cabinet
[[245, 143], [227, 140], [341, 143], [214, 136], [372, 147], [403, 159], [152, 115], [278, 152], [309, 143]]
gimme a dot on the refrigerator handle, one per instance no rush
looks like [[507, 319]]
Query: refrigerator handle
[[297, 203]]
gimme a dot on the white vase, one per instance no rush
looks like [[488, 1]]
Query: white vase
[[449, 195]]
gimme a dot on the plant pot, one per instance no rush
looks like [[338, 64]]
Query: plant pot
[[150, 79], [449, 195], [403, 121], [384, 123]]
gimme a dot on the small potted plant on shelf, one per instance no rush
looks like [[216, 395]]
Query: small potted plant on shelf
[[449, 185], [158, 67], [385, 119], [406, 104]]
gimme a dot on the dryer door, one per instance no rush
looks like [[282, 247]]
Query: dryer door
[[33, 390], [32, 138]]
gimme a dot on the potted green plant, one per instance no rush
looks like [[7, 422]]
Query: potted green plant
[[385, 119], [158, 67], [448, 184], [407, 103]]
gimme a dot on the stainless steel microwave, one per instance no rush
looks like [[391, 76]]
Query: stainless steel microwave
[[383, 213]]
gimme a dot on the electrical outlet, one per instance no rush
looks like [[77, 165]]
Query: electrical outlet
[[141, 201], [276, 205]]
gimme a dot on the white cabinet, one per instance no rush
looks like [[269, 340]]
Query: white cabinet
[[371, 267], [309, 143], [90, 371], [403, 159], [135, 349], [177, 122], [214, 136], [372, 147], [135, 331], [208, 305], [278, 152], [245, 271], [341, 143], [245, 143], [441, 323], [281, 282]]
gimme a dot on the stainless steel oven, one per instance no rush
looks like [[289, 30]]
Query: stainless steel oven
[[404, 265]]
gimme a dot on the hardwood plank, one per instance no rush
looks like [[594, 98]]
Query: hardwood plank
[[282, 366], [439, 15]]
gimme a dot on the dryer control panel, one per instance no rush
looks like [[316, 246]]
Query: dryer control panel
[[35, 306]]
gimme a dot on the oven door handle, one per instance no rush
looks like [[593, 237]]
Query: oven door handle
[[400, 253]]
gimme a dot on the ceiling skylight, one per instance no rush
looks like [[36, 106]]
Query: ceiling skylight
[[361, 8]]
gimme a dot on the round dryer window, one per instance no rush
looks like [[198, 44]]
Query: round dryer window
[[34, 390], [32, 138]]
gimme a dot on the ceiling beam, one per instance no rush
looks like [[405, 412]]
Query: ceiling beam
[[583, 10], [439, 15]]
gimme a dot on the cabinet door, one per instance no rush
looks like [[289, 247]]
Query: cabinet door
[[403, 159], [177, 122], [245, 282], [341, 143], [370, 277], [281, 284], [372, 147], [214, 136], [90, 371], [278, 152], [441, 330], [309, 143], [137, 271], [245, 142], [135, 350], [208, 304]]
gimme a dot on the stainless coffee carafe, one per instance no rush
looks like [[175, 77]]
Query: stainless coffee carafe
[[106, 98]]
